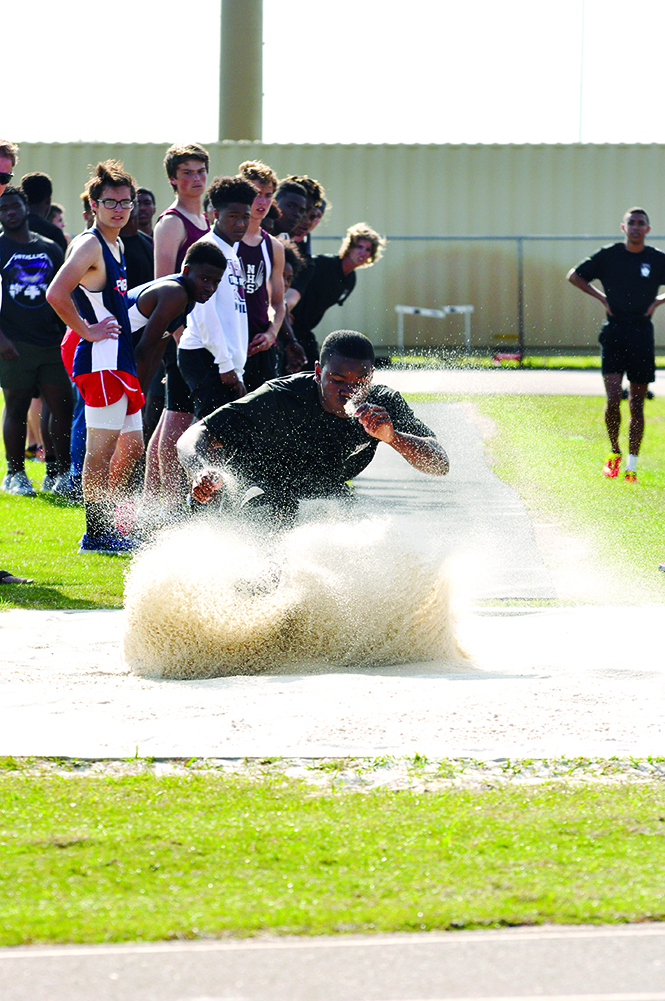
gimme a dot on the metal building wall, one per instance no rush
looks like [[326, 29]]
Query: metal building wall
[[499, 191]]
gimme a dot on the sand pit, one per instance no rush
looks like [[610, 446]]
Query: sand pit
[[214, 599]]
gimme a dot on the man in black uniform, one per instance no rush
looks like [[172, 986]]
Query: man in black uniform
[[306, 435], [330, 279], [631, 275]]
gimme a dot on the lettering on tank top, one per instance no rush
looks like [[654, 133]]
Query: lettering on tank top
[[236, 277]]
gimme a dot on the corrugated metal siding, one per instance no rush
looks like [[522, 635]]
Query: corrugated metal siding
[[437, 190]]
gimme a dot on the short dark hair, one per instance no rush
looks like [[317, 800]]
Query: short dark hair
[[224, 190], [9, 150], [293, 256], [348, 344], [37, 186], [181, 153], [637, 208], [290, 187], [205, 252], [146, 191], [11, 189], [109, 174], [54, 210]]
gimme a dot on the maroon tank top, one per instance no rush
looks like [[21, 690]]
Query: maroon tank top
[[257, 264], [193, 234]]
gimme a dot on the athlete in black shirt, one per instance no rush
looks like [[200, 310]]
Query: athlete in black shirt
[[306, 435], [631, 275]]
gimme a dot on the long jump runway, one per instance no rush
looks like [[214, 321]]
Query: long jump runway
[[539, 682]]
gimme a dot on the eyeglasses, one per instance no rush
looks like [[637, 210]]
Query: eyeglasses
[[5, 178], [113, 203]]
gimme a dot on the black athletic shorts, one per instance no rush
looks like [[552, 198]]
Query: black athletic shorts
[[198, 369], [177, 396], [628, 346]]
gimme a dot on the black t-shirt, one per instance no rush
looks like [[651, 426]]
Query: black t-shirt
[[48, 229], [280, 437], [27, 271], [139, 262], [321, 285], [631, 281]]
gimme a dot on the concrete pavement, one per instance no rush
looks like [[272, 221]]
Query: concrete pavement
[[550, 963]]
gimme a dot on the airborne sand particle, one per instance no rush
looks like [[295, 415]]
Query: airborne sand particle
[[218, 598]]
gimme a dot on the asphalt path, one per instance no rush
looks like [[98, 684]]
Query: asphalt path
[[625, 963]]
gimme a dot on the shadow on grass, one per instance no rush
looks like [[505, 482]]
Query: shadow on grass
[[44, 598]]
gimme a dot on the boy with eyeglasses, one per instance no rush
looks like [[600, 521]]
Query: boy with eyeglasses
[[89, 294]]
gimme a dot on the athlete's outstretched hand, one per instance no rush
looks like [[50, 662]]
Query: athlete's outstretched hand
[[102, 331], [205, 484], [376, 421]]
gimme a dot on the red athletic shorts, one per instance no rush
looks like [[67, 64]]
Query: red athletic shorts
[[101, 389]]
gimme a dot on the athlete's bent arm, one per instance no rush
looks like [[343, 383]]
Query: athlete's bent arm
[[201, 455], [425, 454], [84, 258], [590, 289]]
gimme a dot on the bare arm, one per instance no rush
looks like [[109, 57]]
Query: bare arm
[[150, 348], [265, 340], [425, 454], [590, 289], [200, 454], [168, 237], [84, 260]]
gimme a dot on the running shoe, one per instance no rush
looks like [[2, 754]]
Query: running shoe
[[21, 485], [611, 467], [109, 544], [6, 480], [630, 477], [67, 487], [48, 484]]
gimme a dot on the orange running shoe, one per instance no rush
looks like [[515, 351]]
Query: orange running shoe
[[630, 477], [611, 467]]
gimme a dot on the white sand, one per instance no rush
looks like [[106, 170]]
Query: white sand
[[570, 681]]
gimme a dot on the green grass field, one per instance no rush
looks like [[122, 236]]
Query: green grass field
[[92, 860], [552, 449]]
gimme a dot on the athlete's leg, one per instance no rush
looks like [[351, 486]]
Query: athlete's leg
[[636, 397], [613, 408], [14, 427], [151, 485], [128, 449], [170, 470], [58, 399], [99, 448]]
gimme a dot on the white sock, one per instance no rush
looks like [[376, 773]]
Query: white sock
[[631, 464]]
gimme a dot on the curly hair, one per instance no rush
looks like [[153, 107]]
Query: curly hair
[[361, 231], [224, 190]]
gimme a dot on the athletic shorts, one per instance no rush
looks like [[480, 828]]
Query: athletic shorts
[[198, 368], [114, 417], [177, 396], [628, 347], [35, 366], [100, 389]]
